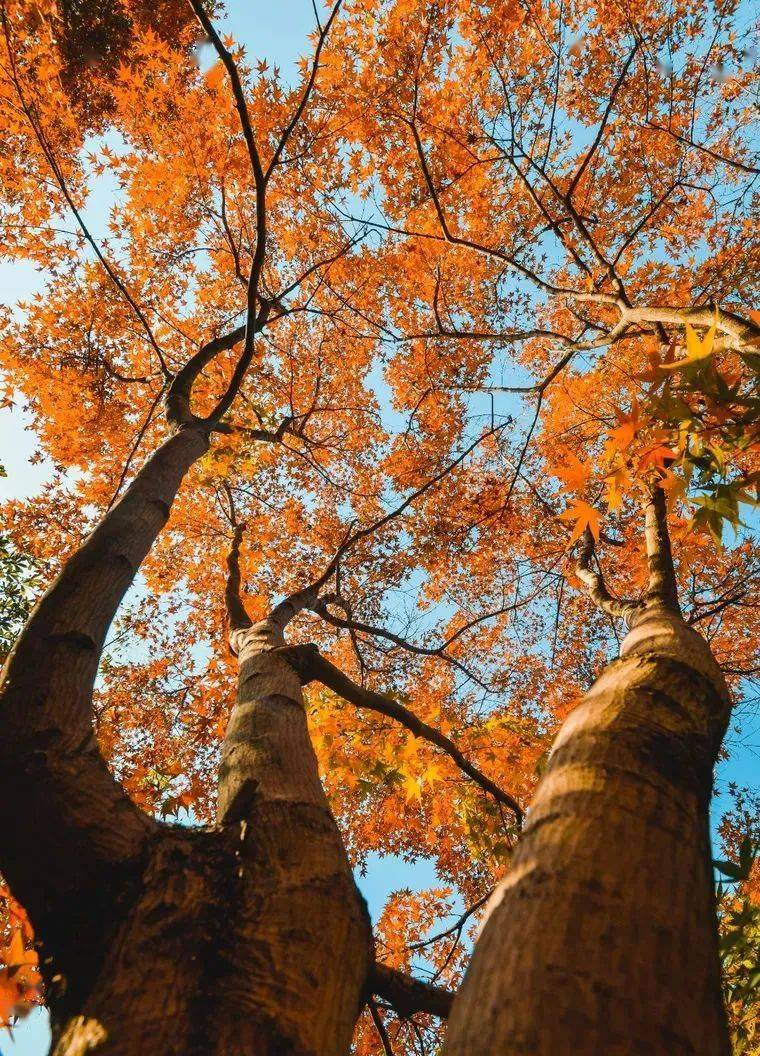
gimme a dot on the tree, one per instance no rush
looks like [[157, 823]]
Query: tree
[[435, 194]]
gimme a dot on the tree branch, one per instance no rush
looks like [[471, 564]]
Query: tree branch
[[380, 1027], [323, 32], [663, 586], [457, 927], [236, 611], [260, 183], [603, 123], [78, 830], [595, 586], [178, 410], [689, 142], [408, 995], [308, 596], [30, 111], [739, 332], [311, 666]]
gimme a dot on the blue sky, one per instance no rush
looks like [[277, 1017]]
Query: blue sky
[[276, 32]]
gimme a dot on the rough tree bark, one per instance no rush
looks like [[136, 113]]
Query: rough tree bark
[[72, 839], [602, 935], [249, 937]]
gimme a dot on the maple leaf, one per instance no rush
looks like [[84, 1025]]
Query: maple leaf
[[625, 432], [20, 978], [698, 352], [616, 484], [17, 956], [674, 486], [412, 787], [432, 774], [583, 516], [214, 77], [713, 510], [573, 472], [657, 456], [576, 48]]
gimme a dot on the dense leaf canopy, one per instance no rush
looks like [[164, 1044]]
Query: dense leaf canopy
[[504, 291]]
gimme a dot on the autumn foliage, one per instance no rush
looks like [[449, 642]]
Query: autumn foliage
[[505, 296]]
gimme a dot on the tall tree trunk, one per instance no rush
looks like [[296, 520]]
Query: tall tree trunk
[[601, 938], [250, 939], [307, 940], [247, 938], [71, 837]]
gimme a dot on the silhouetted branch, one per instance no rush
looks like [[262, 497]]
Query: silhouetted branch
[[408, 995], [457, 927]]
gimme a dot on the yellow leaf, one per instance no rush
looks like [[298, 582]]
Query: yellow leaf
[[413, 787], [432, 774], [696, 351], [617, 483], [674, 487]]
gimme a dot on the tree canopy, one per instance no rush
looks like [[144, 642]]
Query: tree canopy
[[459, 301]]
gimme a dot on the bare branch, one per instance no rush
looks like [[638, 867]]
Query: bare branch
[[739, 332], [178, 409]]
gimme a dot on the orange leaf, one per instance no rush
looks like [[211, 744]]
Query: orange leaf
[[658, 456], [573, 472], [584, 516], [626, 430]]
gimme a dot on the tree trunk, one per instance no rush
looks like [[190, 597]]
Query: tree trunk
[[307, 941], [72, 840], [247, 938], [250, 939], [601, 938]]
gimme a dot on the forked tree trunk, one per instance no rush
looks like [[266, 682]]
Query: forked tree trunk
[[250, 940], [601, 938]]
